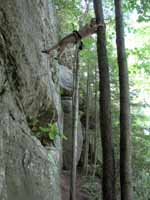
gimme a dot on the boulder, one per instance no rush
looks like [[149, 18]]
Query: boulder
[[66, 104], [67, 144], [65, 80]]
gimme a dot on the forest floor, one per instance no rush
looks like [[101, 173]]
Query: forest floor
[[85, 188]]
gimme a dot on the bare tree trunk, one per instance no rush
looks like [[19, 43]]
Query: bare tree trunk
[[105, 109], [75, 111], [86, 152], [96, 124], [125, 135]]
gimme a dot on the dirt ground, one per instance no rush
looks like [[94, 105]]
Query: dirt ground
[[65, 186]]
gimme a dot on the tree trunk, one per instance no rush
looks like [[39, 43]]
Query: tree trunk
[[125, 141], [86, 152], [96, 124], [105, 110], [75, 112]]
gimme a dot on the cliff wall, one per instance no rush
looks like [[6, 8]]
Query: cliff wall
[[28, 89]]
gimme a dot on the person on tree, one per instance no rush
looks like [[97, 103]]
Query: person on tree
[[75, 37]]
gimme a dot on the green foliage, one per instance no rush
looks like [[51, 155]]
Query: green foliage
[[138, 48], [52, 131], [92, 187], [141, 185], [68, 13], [140, 52], [142, 7], [46, 133]]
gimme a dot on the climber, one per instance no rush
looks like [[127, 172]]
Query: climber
[[75, 37]]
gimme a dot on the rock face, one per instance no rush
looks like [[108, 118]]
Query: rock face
[[67, 144], [66, 83], [66, 79], [28, 171]]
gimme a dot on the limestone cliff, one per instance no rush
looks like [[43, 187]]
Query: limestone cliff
[[28, 89]]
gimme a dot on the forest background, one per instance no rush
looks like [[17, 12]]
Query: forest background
[[74, 14]]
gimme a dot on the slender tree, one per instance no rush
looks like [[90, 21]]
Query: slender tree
[[96, 123], [75, 112], [125, 141], [105, 109], [86, 152]]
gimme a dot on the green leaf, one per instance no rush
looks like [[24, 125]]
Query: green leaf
[[50, 125], [52, 135], [54, 129], [64, 137], [44, 129]]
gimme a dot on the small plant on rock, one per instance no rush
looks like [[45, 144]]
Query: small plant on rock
[[52, 131], [45, 132]]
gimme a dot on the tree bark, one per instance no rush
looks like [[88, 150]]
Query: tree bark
[[86, 152], [75, 111], [96, 124], [105, 109], [125, 136]]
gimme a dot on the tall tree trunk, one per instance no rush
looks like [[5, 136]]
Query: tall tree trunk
[[105, 109], [86, 152], [96, 124], [125, 141], [75, 111]]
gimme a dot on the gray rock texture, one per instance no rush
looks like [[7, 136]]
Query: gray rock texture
[[67, 104], [67, 144], [28, 87], [66, 78]]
